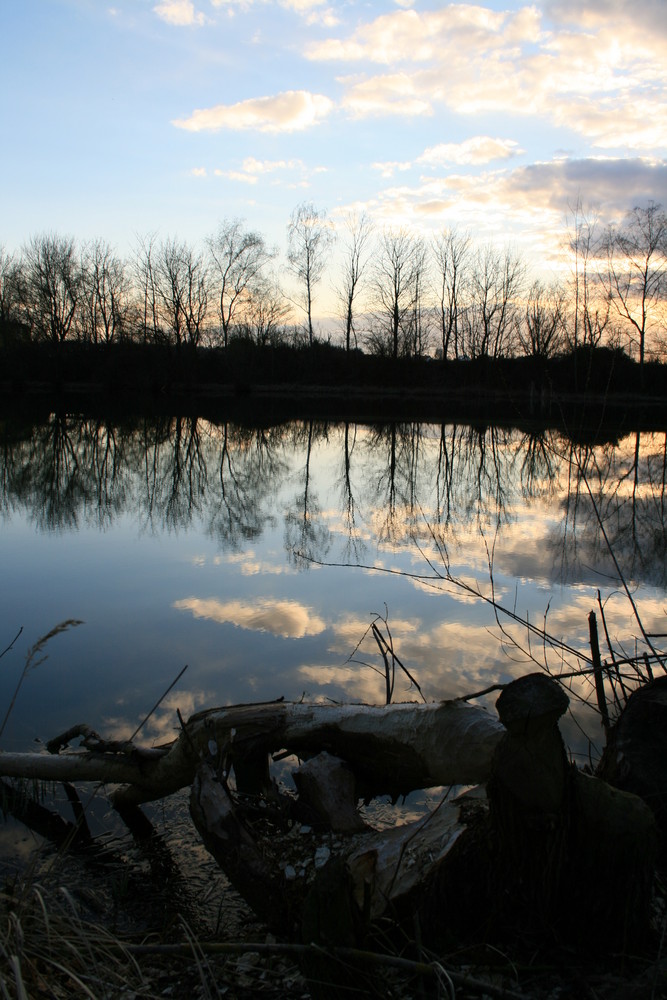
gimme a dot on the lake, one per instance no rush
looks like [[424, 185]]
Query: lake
[[260, 556]]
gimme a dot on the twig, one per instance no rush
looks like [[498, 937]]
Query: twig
[[470, 983], [9, 647], [597, 671], [158, 703]]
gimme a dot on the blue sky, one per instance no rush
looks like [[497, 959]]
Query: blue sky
[[166, 116]]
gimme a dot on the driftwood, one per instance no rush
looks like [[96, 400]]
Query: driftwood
[[393, 749], [542, 851], [550, 839]]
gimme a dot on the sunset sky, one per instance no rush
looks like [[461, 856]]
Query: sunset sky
[[166, 116]]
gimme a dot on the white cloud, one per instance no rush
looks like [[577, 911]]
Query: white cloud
[[474, 151], [389, 168], [198, 171], [288, 619], [313, 11], [291, 111], [592, 71], [179, 12], [527, 205], [384, 95], [252, 170]]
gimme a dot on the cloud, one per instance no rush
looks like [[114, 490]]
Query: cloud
[[389, 168], [178, 12], [290, 111], [252, 170], [198, 171], [594, 73], [394, 94], [474, 151], [313, 11], [288, 619], [528, 204]]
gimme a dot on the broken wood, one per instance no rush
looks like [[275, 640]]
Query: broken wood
[[391, 749], [548, 836]]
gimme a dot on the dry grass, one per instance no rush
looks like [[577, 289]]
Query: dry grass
[[47, 949]]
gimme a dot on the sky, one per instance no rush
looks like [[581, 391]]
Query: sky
[[167, 116]]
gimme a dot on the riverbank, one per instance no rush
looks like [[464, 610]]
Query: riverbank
[[584, 390]]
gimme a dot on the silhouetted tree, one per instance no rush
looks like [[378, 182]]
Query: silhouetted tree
[[182, 284], [358, 232], [11, 280], [497, 278], [52, 285], [541, 329], [591, 305], [636, 275], [397, 281], [239, 261], [309, 238], [146, 278], [452, 254], [104, 294], [265, 314]]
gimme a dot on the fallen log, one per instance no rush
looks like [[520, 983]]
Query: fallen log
[[390, 749], [550, 835]]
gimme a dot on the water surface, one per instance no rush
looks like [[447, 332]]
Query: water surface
[[260, 556]]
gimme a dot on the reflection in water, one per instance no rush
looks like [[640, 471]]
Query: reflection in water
[[183, 540], [286, 618], [166, 473]]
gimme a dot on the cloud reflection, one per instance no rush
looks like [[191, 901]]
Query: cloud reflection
[[288, 619]]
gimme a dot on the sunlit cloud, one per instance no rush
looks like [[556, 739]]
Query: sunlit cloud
[[283, 171], [291, 111], [386, 95], [288, 619], [313, 11], [179, 13], [389, 168], [478, 150], [198, 172], [248, 564], [529, 204], [595, 74]]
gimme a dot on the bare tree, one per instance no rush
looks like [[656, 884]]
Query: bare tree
[[11, 288], [358, 233], [239, 259], [452, 253], [591, 307], [104, 293], [182, 285], [309, 237], [421, 321], [496, 281], [52, 285], [397, 281], [540, 331], [145, 269], [636, 274], [265, 314]]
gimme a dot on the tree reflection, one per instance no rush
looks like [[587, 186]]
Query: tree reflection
[[394, 482], [355, 546], [249, 471], [615, 503], [307, 538]]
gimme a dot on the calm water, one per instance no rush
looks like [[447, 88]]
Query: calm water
[[183, 541]]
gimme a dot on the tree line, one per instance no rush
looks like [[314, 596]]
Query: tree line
[[398, 294]]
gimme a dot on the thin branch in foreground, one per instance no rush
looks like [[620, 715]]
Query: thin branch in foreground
[[158, 703], [8, 648]]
